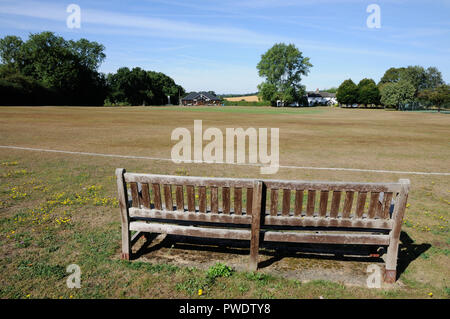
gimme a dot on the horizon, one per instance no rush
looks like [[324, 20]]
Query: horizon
[[214, 46]]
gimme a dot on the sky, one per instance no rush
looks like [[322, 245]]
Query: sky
[[215, 45]]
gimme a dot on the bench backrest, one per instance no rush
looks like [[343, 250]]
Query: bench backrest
[[282, 202]]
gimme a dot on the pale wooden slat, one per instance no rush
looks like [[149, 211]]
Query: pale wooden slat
[[124, 213], [310, 205], [214, 200], [238, 200], [168, 197], [202, 199], [226, 200], [286, 208], [190, 193], [323, 203], [145, 196], [274, 202], [335, 202], [256, 225], [360, 202], [179, 198], [134, 194], [348, 203], [157, 196], [298, 202]]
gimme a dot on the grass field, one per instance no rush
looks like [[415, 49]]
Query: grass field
[[58, 209]]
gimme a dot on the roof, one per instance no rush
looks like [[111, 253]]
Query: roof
[[197, 95], [320, 94]]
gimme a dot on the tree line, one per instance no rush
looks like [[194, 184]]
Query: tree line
[[46, 69], [400, 88]]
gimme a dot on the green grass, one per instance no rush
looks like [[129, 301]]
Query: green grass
[[243, 109]]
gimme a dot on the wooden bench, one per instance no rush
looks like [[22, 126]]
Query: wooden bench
[[255, 210]]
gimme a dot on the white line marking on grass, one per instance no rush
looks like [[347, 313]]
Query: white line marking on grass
[[244, 164]]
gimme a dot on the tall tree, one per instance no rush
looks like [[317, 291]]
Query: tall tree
[[439, 96], [347, 92], [368, 92], [282, 66], [397, 94]]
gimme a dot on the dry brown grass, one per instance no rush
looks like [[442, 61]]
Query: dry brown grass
[[249, 98], [371, 139]]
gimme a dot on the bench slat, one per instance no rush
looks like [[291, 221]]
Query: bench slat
[[168, 197], [145, 195], [310, 205], [244, 234], [348, 203], [274, 202], [386, 206], [286, 202], [360, 202], [249, 203], [179, 198], [306, 221], [298, 202], [238, 200], [134, 194], [373, 204], [202, 199], [214, 200], [190, 193], [335, 202], [226, 200], [157, 196], [323, 203]]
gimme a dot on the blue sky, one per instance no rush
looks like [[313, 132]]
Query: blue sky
[[215, 45]]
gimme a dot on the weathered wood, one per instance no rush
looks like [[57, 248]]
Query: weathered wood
[[361, 239], [335, 202], [190, 192], [188, 180], [310, 205], [384, 212], [243, 234], [256, 224], [286, 206], [190, 216], [134, 194], [373, 204], [298, 202], [394, 235], [274, 202], [226, 200], [348, 203], [328, 222], [145, 198], [247, 183], [249, 203], [360, 202], [202, 199], [214, 200], [238, 200], [124, 217], [168, 197], [156, 196], [179, 198], [323, 203]]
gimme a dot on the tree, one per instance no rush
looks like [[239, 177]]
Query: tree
[[397, 94], [69, 68], [140, 87], [347, 92], [391, 75], [282, 66], [439, 96], [368, 92]]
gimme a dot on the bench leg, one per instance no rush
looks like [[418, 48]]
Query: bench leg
[[126, 247], [390, 275], [256, 225]]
